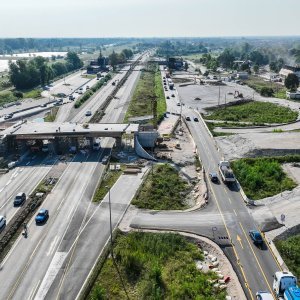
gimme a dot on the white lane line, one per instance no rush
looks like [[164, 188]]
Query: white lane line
[[52, 271], [8, 182], [1, 189], [28, 163], [31, 295], [52, 246]]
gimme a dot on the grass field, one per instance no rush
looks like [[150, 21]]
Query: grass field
[[263, 177], [155, 266], [108, 181], [149, 89], [289, 249], [51, 116], [257, 83], [163, 189], [255, 112]]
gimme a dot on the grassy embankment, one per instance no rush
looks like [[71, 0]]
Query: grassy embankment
[[148, 97], [257, 83], [9, 96], [254, 112], [162, 189], [51, 116], [108, 181], [155, 266], [264, 177], [290, 251]]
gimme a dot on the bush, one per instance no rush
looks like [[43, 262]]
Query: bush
[[266, 92], [18, 94]]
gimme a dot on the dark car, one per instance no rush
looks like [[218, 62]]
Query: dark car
[[168, 97], [19, 199], [172, 95], [42, 216], [188, 118], [256, 237], [214, 177], [196, 119]]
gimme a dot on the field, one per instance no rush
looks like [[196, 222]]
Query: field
[[9, 96], [154, 266], [149, 89], [257, 83], [255, 112], [263, 177], [162, 189], [290, 251]]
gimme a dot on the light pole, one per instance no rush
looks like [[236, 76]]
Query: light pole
[[110, 225]]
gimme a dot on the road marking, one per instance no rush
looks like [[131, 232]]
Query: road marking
[[52, 245], [1, 189], [33, 291], [233, 247], [234, 212], [8, 182], [52, 271], [240, 241], [261, 269]]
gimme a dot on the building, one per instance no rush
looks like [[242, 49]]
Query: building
[[97, 65], [286, 70], [242, 75], [175, 63]]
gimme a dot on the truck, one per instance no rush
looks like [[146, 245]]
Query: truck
[[292, 293], [282, 284], [226, 172]]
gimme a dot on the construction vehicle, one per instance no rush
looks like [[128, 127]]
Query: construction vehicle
[[226, 172]]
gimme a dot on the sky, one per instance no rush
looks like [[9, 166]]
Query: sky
[[148, 18]]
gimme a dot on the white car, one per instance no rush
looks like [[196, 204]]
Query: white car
[[2, 222]]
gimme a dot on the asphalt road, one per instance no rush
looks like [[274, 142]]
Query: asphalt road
[[53, 260], [227, 219], [21, 179]]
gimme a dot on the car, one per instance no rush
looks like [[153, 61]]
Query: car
[[80, 92], [19, 199], [168, 97], [188, 118], [262, 295], [80, 89], [42, 216], [46, 88], [88, 113], [196, 119], [172, 95], [105, 159], [214, 177], [96, 145], [178, 104], [44, 105], [8, 116], [2, 222], [256, 237], [71, 97], [87, 87]]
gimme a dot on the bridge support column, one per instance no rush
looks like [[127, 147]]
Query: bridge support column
[[118, 142]]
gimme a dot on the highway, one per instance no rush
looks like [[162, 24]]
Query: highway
[[52, 262], [226, 216]]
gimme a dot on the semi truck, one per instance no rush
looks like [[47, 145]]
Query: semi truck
[[285, 286], [226, 172]]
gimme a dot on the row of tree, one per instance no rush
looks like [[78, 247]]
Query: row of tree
[[119, 58], [26, 74]]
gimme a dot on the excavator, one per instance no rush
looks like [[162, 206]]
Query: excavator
[[237, 94]]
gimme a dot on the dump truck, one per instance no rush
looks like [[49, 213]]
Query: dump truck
[[285, 285], [226, 172]]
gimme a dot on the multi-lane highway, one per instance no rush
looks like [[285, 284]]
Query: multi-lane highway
[[52, 262]]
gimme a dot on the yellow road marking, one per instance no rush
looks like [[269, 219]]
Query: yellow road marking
[[233, 247], [263, 273], [240, 241]]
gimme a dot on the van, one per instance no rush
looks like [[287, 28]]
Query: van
[[19, 199]]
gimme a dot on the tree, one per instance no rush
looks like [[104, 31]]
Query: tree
[[267, 91], [128, 53], [74, 60], [226, 58], [186, 66], [291, 82], [256, 68], [113, 59]]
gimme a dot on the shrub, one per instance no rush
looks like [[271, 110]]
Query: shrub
[[267, 92], [18, 94]]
